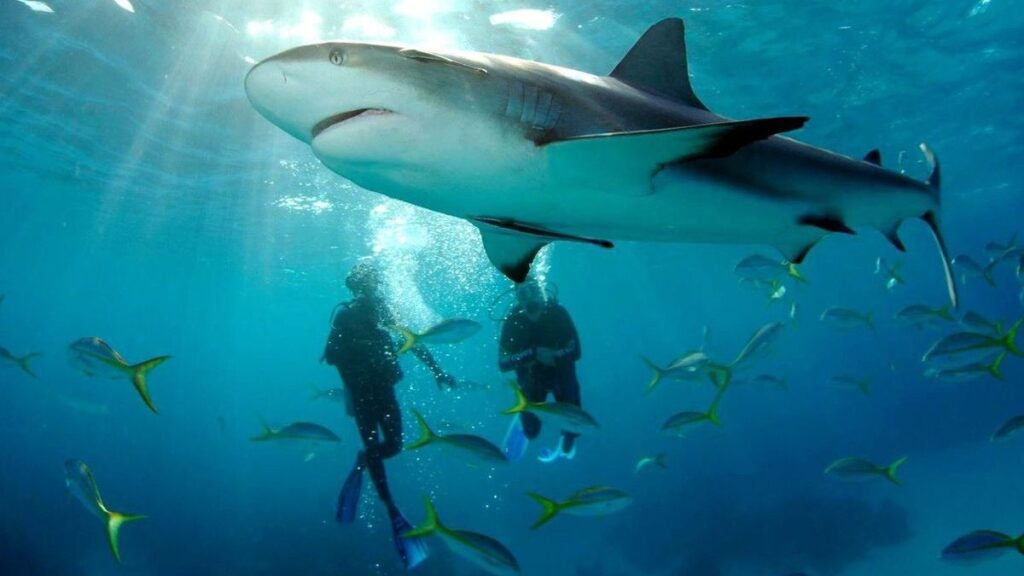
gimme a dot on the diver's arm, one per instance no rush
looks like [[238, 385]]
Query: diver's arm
[[443, 378], [571, 350], [507, 359]]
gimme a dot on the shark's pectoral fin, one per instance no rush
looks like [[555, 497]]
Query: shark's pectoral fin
[[511, 246], [625, 162]]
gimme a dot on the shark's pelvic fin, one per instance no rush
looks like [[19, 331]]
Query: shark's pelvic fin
[[618, 161], [657, 63], [874, 157], [826, 222], [512, 246]]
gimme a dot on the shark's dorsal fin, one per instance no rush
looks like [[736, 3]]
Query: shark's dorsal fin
[[874, 157], [657, 63]]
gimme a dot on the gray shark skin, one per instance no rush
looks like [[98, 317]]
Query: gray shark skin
[[533, 153]]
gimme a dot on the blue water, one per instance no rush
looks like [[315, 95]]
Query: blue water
[[143, 200]]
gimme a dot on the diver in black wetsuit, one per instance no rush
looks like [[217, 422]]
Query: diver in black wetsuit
[[539, 342], [361, 348]]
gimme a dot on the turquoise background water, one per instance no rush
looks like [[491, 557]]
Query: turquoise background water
[[143, 200]]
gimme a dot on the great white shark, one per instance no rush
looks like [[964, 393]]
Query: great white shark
[[532, 153]]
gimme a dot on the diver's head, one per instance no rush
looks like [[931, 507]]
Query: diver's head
[[531, 297], [364, 279]]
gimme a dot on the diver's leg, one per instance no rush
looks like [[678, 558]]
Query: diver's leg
[[568, 391], [391, 425], [369, 420], [534, 392]]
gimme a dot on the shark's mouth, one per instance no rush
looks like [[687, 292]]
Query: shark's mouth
[[346, 116]]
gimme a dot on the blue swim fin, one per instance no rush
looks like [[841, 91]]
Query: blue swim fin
[[351, 492], [412, 551], [515, 440]]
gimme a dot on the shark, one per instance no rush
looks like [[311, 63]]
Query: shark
[[532, 153]]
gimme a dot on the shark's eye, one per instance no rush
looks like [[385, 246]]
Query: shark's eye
[[337, 57]]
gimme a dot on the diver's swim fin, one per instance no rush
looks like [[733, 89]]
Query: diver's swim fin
[[348, 498], [515, 440], [412, 551]]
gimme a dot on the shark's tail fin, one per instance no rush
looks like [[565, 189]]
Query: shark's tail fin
[[114, 522], [932, 219], [139, 372]]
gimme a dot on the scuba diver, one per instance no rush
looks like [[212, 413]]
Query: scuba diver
[[360, 346], [539, 341]]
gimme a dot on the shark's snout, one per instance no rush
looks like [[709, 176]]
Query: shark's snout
[[277, 95]]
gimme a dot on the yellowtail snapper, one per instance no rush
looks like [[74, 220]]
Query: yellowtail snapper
[[80, 482], [975, 322], [969, 268], [890, 272], [483, 551], [450, 331], [469, 444], [646, 462], [972, 371], [862, 384], [593, 501], [981, 545], [692, 366], [846, 318], [1009, 428], [973, 345], [860, 469], [297, 431], [20, 361], [689, 417], [569, 416], [94, 357], [921, 316], [765, 269]]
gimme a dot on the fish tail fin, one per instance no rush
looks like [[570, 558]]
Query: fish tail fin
[[317, 393], [410, 339], [1019, 542], [1010, 339], [720, 376], [266, 434], [139, 372], [995, 367], [793, 271], [521, 402], [550, 510], [114, 522], [869, 318], [890, 471], [426, 434], [713, 409], [24, 365], [659, 461], [865, 386], [945, 312], [430, 525], [656, 375]]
